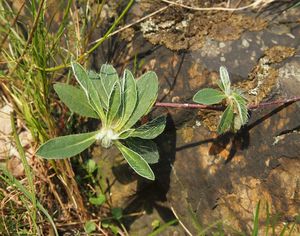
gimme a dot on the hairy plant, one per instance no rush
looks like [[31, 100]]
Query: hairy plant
[[236, 113], [119, 104]]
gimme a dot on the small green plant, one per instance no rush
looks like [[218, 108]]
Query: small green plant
[[90, 227], [119, 104], [236, 112]]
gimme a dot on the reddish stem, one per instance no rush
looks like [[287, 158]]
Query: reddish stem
[[208, 107]]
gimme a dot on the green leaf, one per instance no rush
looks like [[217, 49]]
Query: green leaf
[[209, 96], [129, 97], [89, 89], [109, 77], [75, 99], [100, 91], [109, 224], [125, 133], [155, 224], [237, 123], [89, 227], [114, 103], [147, 89], [151, 129], [66, 146], [224, 76], [117, 213], [93, 75], [241, 105], [99, 200], [226, 120], [147, 149], [136, 162], [90, 166]]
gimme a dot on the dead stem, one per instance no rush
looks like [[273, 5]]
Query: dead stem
[[33, 29], [253, 5], [11, 26]]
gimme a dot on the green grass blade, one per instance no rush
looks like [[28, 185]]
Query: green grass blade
[[66, 146], [256, 221], [147, 149], [12, 181], [63, 24], [267, 219], [75, 99], [292, 229], [209, 96], [136, 162], [151, 129], [282, 232], [28, 172], [163, 227], [226, 120], [147, 89]]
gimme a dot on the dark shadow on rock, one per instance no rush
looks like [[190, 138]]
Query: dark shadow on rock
[[195, 144], [152, 195], [268, 115], [175, 72], [241, 139], [123, 173]]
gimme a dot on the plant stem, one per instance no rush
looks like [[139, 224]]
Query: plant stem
[[187, 105], [272, 103], [209, 107]]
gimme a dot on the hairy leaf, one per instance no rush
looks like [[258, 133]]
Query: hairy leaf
[[209, 96], [129, 97], [147, 88], [93, 75], [125, 133], [224, 76], [237, 123], [136, 162], [151, 129], [88, 87], [66, 146], [114, 103], [241, 105], [75, 99], [100, 91], [108, 77], [147, 149], [226, 120]]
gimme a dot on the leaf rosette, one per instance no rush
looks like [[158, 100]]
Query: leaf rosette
[[236, 113], [119, 103]]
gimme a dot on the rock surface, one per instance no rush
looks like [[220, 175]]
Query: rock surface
[[204, 177]]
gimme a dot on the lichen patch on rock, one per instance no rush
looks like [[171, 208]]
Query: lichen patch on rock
[[178, 29]]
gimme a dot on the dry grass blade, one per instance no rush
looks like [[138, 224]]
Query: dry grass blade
[[258, 4]]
